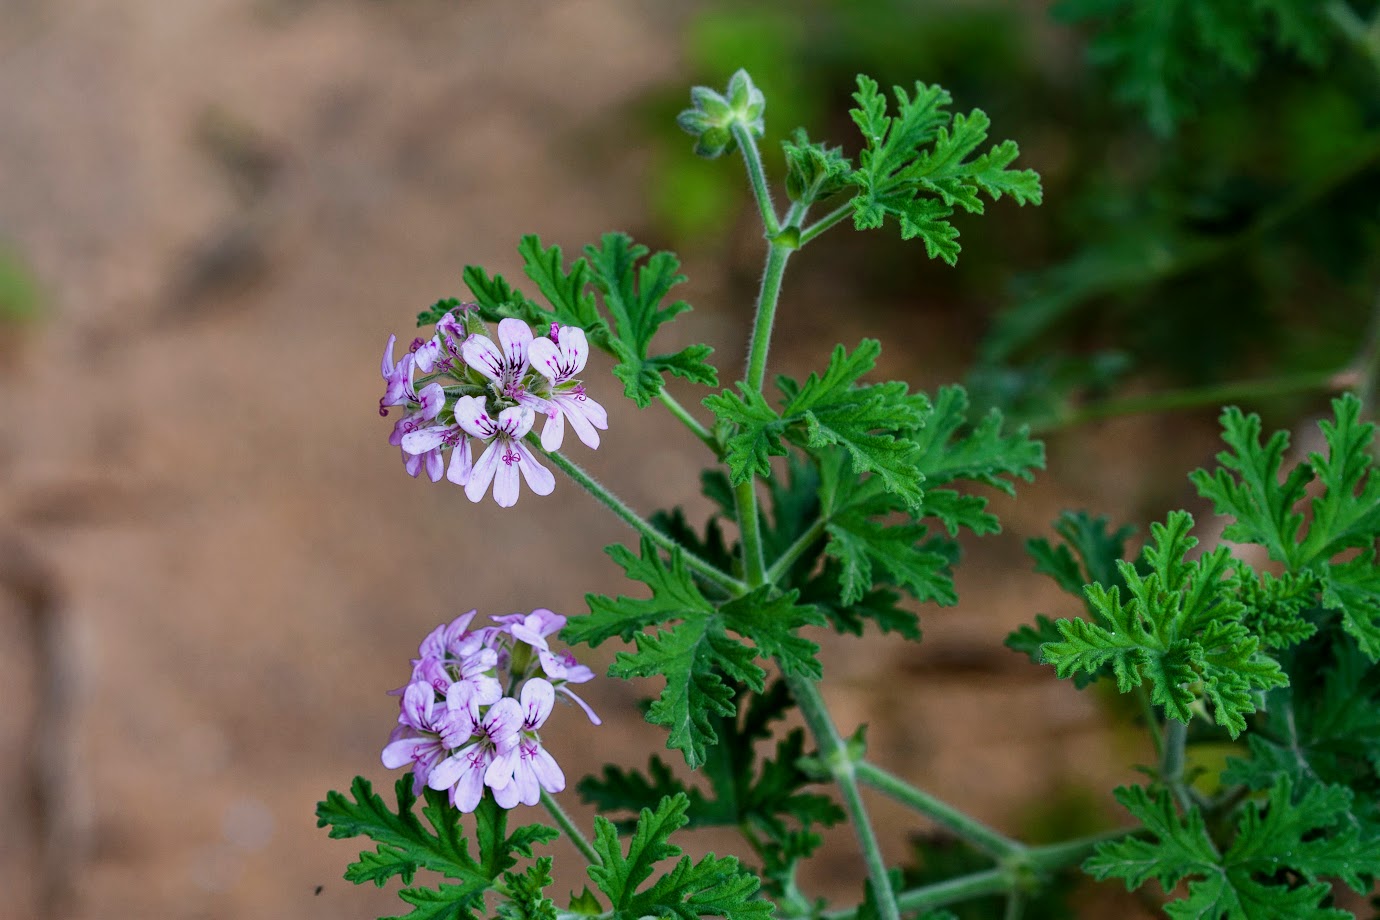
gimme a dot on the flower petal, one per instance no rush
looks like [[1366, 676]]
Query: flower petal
[[539, 478], [483, 472], [538, 696], [483, 355], [419, 442], [460, 463], [514, 335], [553, 432], [506, 476], [472, 415]]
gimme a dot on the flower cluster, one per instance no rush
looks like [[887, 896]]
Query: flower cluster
[[469, 716], [478, 396]]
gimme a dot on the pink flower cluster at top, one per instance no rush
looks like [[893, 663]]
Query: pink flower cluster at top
[[478, 397], [469, 716]]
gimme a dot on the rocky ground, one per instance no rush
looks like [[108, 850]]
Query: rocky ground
[[211, 564]]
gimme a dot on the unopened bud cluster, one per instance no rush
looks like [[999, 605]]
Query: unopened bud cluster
[[714, 115], [481, 397]]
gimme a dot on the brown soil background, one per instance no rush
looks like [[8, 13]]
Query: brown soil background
[[211, 564]]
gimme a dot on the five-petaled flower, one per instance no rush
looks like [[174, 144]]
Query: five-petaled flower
[[476, 389], [456, 729]]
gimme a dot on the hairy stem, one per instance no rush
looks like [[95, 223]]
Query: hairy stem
[[709, 572], [970, 829], [793, 552], [689, 421], [834, 752], [572, 833], [757, 177], [1172, 762], [824, 223], [928, 897]]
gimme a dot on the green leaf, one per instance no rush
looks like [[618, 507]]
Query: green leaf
[[919, 165], [567, 291], [674, 596], [757, 435], [873, 423], [1179, 629], [1324, 730], [1089, 553], [1168, 56], [880, 605], [446, 902], [695, 657], [951, 451], [1347, 513], [1354, 589], [712, 887], [404, 844], [1305, 837], [633, 294], [899, 550], [526, 893], [770, 619]]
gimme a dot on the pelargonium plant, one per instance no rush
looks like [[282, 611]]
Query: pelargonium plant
[[837, 505]]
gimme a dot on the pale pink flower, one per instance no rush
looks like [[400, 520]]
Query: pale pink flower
[[522, 772], [505, 454], [465, 772], [559, 359], [505, 364]]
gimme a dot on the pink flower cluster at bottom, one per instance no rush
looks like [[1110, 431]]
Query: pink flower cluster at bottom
[[469, 716]]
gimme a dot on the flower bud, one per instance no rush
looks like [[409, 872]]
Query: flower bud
[[713, 115]]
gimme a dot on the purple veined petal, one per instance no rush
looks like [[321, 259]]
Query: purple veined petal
[[455, 728], [506, 473], [467, 788], [546, 770], [460, 463], [404, 751], [483, 355], [537, 698], [445, 773], [574, 349], [418, 704], [487, 690], [553, 432], [412, 463], [424, 439], [524, 777], [458, 630], [483, 472], [545, 357], [472, 415], [427, 354], [433, 400], [503, 722], [516, 421], [514, 335], [539, 478], [435, 465]]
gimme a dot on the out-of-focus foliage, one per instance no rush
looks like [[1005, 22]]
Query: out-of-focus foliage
[[1215, 165]]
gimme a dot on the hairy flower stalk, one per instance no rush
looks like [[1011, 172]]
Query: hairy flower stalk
[[480, 397], [469, 716]]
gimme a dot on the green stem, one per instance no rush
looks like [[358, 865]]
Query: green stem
[[824, 223], [834, 753], [757, 177], [970, 829], [750, 533], [1172, 762], [572, 833], [963, 888], [1053, 856], [710, 573], [793, 552], [1215, 395], [689, 421], [762, 324]]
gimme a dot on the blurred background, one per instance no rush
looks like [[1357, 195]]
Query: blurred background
[[213, 214]]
